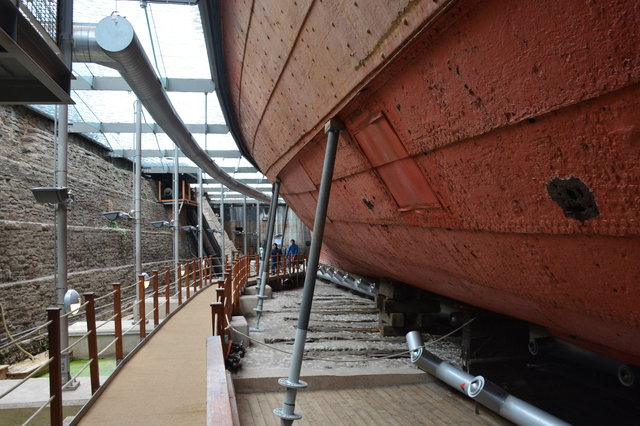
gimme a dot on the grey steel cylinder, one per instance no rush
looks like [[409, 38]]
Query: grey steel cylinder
[[457, 379]]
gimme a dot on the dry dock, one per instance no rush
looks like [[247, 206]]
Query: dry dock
[[165, 381]]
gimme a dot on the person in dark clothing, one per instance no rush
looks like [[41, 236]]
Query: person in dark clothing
[[275, 255]]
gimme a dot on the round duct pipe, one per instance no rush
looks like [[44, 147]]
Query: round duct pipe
[[113, 43]]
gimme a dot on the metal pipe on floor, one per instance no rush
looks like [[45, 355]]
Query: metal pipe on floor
[[483, 391], [357, 284], [262, 277], [287, 412], [566, 351]]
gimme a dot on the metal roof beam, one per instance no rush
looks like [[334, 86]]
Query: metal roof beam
[[86, 127], [194, 169], [208, 182], [150, 153], [197, 85]]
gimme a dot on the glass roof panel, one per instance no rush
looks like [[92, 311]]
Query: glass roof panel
[[178, 51]]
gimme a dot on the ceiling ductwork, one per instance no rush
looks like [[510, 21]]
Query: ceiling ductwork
[[113, 43]]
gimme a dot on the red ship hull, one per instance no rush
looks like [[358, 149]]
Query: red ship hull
[[490, 152]]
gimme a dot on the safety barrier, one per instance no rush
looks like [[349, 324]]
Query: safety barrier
[[195, 275], [283, 267], [230, 288]]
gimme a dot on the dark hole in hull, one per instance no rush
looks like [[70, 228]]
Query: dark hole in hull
[[574, 197]]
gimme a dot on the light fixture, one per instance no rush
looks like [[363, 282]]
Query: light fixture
[[160, 223], [213, 231], [116, 215], [181, 269], [72, 301], [189, 228], [52, 195], [147, 279]]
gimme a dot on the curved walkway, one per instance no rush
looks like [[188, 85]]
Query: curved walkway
[[164, 383]]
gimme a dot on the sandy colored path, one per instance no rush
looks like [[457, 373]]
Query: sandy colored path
[[164, 383]]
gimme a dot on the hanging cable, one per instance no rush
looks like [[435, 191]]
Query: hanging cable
[[143, 4], [155, 30]]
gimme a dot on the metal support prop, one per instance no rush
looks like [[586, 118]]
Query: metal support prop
[[286, 413], [483, 391], [258, 242], [222, 234], [244, 225], [200, 230], [262, 278], [136, 199], [176, 222]]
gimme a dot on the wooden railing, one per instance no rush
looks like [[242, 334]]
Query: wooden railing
[[195, 275]]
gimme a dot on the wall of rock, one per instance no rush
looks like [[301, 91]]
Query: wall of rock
[[99, 252]]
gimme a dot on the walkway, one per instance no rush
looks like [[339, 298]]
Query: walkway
[[164, 383]]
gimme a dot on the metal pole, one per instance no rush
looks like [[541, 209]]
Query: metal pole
[[244, 225], [258, 232], [60, 180], [176, 222], [222, 234], [136, 198], [262, 278], [293, 383], [65, 42], [200, 230]]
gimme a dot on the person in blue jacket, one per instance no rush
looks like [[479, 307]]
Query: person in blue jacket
[[291, 253]]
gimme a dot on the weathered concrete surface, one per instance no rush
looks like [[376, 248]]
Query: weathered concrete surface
[[19, 405], [343, 332]]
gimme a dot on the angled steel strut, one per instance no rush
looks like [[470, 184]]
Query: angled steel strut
[[262, 278], [293, 382]]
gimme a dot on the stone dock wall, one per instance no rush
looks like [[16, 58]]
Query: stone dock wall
[[99, 252]]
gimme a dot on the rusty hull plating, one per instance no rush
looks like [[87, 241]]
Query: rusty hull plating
[[490, 153]]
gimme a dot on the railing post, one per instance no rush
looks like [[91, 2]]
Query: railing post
[[194, 275], [92, 342], [210, 270], [55, 374], [167, 291], [187, 274], [117, 321], [156, 312], [217, 311], [179, 275], [143, 316]]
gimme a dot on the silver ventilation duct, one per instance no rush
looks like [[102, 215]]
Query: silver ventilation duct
[[113, 43]]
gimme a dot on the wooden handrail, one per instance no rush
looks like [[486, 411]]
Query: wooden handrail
[[117, 321], [55, 375], [92, 342]]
